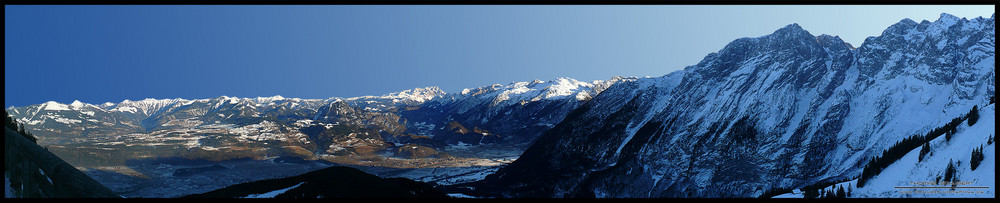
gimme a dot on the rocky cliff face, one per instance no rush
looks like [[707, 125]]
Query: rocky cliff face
[[782, 110]]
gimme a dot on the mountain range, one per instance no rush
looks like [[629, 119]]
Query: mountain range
[[408, 124]]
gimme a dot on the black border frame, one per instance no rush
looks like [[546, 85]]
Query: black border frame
[[509, 2]]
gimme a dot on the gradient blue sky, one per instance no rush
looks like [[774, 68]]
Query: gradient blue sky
[[99, 54]]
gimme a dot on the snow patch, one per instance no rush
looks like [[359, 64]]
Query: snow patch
[[459, 195], [67, 120], [272, 194]]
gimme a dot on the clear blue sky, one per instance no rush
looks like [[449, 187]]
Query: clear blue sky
[[99, 54]]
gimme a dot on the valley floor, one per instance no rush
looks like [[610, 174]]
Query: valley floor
[[158, 179]]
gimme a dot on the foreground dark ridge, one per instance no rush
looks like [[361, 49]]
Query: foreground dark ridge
[[332, 182], [42, 174]]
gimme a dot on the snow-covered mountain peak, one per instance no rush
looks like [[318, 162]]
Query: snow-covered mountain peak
[[948, 20], [823, 37], [268, 100], [619, 78], [418, 95], [752, 57], [935, 51], [833, 42], [910, 30], [275, 97], [54, 106], [791, 32], [483, 89], [790, 28], [406, 97], [500, 96], [898, 28], [791, 38], [231, 100], [146, 106], [567, 80], [76, 104], [566, 87]]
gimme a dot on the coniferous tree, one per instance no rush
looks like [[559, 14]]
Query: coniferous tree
[[9, 121], [974, 115], [923, 151], [771, 192], [840, 192], [947, 136], [849, 189], [17, 127], [949, 173], [977, 157]]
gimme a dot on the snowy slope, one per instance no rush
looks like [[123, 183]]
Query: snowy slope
[[907, 170]]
